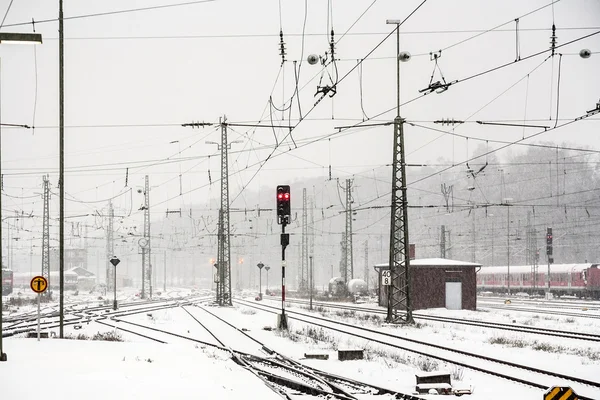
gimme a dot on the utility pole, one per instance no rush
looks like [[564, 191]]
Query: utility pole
[[144, 243], [46, 233], [224, 254], [473, 257], [311, 238], [367, 263], [349, 253], [110, 250], [449, 244], [399, 260], [304, 251], [508, 245], [165, 271], [311, 280], [343, 261], [61, 171], [443, 242]]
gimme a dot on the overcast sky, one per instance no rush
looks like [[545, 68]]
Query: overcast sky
[[133, 78]]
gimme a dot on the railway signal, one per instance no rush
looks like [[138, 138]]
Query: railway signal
[[549, 241], [283, 204], [283, 218], [115, 261]]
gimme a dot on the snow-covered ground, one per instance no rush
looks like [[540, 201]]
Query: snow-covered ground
[[140, 368]]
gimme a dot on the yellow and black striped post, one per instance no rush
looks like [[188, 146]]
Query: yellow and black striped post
[[560, 393]]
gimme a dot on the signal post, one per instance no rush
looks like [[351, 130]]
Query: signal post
[[283, 218], [550, 258]]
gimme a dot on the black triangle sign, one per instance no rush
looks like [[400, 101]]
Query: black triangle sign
[[115, 261]]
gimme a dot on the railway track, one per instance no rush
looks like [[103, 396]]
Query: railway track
[[92, 314], [283, 375], [592, 337], [560, 304], [510, 307], [524, 374]]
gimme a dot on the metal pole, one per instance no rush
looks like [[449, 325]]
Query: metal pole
[[115, 288], [283, 321], [38, 322], [260, 282], [61, 173], [2, 354], [508, 245], [165, 272], [310, 280]]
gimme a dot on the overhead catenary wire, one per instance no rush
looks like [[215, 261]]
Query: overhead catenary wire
[[324, 94], [6, 14], [114, 12]]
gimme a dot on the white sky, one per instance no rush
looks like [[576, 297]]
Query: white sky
[[131, 79]]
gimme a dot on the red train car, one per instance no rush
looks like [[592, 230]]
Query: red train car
[[582, 280], [7, 282]]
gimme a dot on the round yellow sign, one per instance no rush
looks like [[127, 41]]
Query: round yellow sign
[[39, 284]]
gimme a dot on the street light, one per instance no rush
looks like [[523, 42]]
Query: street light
[[7, 37]]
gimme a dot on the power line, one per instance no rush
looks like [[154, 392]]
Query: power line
[[101, 14], [276, 35]]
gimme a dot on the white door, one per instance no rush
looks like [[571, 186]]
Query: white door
[[454, 295]]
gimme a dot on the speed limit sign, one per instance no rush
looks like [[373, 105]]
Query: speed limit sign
[[386, 277]]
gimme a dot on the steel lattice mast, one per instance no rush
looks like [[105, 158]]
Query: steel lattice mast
[[146, 265], [349, 261], [311, 239], [224, 263], [304, 266], [399, 260], [110, 249], [46, 232], [343, 261]]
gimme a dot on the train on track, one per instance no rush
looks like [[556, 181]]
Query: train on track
[[581, 280], [355, 287], [7, 282], [23, 279]]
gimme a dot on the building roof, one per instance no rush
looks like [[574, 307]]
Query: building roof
[[434, 262], [81, 272]]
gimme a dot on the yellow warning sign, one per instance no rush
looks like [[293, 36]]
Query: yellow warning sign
[[39, 284], [560, 393]]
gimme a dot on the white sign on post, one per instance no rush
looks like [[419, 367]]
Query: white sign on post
[[386, 277]]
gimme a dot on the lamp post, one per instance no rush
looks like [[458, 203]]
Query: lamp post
[[7, 37], [260, 266]]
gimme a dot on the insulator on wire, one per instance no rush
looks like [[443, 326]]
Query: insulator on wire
[[282, 52]]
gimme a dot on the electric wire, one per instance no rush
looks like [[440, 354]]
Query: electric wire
[[102, 14], [338, 81], [6, 14]]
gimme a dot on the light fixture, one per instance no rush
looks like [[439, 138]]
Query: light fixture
[[10, 37]]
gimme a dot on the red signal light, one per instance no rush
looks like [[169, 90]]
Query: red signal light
[[280, 196], [286, 196]]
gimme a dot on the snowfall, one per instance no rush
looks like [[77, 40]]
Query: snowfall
[[138, 368]]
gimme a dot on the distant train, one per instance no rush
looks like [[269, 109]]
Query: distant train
[[23, 279], [338, 288], [7, 282], [582, 280]]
